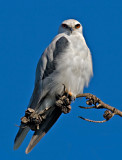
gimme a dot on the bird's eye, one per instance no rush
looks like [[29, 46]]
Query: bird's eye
[[64, 25], [77, 26]]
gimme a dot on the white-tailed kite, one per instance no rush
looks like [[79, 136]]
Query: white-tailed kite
[[65, 62]]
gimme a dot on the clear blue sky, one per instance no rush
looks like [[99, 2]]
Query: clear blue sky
[[26, 28]]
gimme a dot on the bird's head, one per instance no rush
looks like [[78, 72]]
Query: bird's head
[[70, 26]]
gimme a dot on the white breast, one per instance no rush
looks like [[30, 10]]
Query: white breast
[[74, 68]]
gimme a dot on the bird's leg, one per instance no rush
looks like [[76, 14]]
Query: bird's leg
[[70, 96]]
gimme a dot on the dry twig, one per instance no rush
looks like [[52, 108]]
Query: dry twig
[[33, 120], [98, 104]]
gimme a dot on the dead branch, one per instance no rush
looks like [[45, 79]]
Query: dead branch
[[33, 120], [96, 103]]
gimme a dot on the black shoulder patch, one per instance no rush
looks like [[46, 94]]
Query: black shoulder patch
[[61, 45]]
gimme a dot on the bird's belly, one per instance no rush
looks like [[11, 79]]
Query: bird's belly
[[73, 72]]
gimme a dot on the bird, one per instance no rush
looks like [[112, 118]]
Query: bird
[[67, 61]]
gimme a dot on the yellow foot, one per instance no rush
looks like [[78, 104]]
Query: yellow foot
[[70, 94]]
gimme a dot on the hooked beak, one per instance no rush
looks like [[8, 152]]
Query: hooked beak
[[71, 29]]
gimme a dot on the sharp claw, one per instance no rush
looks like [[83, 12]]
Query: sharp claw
[[65, 90]]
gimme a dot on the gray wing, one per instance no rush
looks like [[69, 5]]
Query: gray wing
[[45, 67]]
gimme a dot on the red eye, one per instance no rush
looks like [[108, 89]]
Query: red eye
[[77, 26], [64, 25]]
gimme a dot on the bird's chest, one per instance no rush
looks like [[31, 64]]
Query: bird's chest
[[78, 46], [72, 65], [75, 56]]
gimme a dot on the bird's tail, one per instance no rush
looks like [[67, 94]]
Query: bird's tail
[[20, 136], [52, 116]]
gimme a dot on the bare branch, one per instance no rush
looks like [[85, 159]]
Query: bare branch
[[89, 120], [33, 120], [98, 104], [87, 107]]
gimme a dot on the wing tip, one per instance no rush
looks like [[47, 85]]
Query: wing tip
[[15, 147], [20, 137], [27, 150], [34, 140]]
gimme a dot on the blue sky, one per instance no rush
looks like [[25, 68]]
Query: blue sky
[[26, 29]]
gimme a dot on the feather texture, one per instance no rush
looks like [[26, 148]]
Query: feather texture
[[66, 61]]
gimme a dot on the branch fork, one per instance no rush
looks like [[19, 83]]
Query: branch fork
[[96, 103]]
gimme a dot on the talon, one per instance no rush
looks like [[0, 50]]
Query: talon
[[65, 90]]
